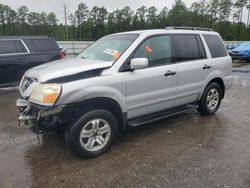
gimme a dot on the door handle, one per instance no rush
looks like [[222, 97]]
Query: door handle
[[206, 67], [170, 73]]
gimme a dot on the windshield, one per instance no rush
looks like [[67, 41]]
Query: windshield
[[108, 48]]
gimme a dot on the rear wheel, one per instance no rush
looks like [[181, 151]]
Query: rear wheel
[[93, 133], [210, 100]]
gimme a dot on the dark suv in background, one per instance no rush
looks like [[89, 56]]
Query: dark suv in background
[[18, 54]]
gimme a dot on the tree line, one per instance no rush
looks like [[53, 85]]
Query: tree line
[[224, 16]]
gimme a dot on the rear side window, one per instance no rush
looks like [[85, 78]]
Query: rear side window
[[186, 47], [215, 45], [44, 45], [20, 47], [12, 47]]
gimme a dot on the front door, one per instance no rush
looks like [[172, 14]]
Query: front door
[[154, 88]]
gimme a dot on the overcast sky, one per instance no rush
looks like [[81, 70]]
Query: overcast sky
[[56, 5]]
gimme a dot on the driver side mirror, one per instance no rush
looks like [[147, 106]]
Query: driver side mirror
[[139, 63]]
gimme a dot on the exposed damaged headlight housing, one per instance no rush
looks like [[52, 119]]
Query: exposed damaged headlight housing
[[46, 94]]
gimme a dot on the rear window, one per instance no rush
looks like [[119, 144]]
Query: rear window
[[215, 45], [186, 47], [44, 45], [11, 47]]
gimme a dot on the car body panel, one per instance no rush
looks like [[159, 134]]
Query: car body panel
[[147, 94], [110, 86], [64, 67], [14, 65]]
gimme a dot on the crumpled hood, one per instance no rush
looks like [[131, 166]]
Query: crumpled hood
[[64, 67]]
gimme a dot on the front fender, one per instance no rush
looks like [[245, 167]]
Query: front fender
[[70, 95]]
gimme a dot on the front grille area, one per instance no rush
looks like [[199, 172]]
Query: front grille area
[[26, 83]]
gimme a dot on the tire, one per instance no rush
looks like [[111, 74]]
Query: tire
[[210, 100], [92, 134]]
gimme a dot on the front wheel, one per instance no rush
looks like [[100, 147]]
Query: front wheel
[[210, 100], [93, 133]]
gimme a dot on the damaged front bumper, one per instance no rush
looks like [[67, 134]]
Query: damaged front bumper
[[38, 118]]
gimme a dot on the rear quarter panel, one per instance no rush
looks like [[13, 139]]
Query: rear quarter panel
[[38, 58], [221, 68]]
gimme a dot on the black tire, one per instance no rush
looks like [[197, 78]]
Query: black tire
[[203, 108], [73, 135]]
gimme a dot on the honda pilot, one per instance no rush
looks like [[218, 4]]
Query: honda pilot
[[125, 79]]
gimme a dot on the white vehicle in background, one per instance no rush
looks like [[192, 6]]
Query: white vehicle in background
[[129, 78]]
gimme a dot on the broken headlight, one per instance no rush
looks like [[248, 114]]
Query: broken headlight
[[46, 94]]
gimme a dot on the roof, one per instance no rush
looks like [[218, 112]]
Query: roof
[[166, 31]]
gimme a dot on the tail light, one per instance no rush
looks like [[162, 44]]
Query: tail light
[[61, 55]]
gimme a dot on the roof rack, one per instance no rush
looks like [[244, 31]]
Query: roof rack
[[189, 28]]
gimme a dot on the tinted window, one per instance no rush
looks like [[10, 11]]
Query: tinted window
[[44, 45], [156, 49], [215, 45], [11, 47], [20, 47], [186, 47]]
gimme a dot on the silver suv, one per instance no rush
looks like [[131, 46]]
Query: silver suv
[[129, 78]]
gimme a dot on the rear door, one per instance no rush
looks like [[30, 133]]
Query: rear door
[[154, 88], [13, 59], [193, 67]]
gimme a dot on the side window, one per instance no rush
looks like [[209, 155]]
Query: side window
[[20, 47], [44, 45], [215, 45], [12, 47], [7, 47], [156, 49], [186, 47]]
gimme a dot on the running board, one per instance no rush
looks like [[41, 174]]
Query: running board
[[161, 115]]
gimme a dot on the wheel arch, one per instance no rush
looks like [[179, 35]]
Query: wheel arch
[[219, 81], [104, 103]]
